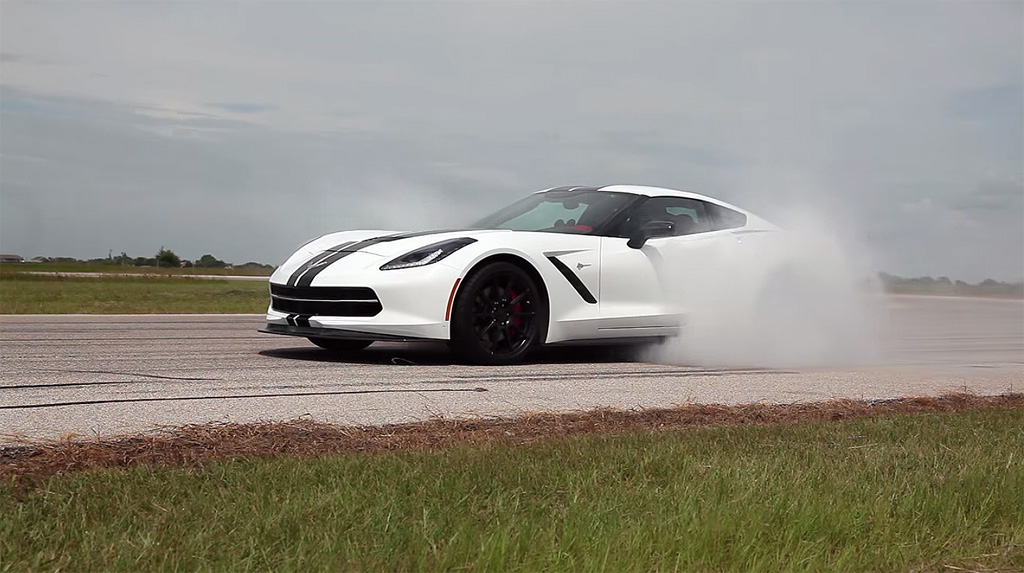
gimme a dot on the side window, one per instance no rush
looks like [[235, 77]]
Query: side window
[[689, 215], [725, 218]]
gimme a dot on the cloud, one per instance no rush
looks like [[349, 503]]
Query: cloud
[[1001, 102], [245, 107], [15, 58], [226, 116], [1004, 198]]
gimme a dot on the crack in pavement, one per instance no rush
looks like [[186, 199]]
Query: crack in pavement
[[234, 396], [159, 376]]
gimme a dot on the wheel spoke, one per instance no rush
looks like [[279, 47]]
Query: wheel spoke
[[519, 297], [494, 339], [487, 328]]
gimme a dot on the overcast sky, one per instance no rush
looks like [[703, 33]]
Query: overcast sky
[[245, 129]]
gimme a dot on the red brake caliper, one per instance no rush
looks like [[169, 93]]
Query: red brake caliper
[[517, 307]]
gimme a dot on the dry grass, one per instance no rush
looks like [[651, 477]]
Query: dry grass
[[917, 484], [199, 445]]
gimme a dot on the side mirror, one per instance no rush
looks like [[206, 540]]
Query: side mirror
[[649, 230]]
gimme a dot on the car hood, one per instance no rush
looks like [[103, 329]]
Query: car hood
[[388, 243]]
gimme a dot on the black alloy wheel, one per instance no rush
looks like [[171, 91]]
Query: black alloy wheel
[[499, 315], [340, 344]]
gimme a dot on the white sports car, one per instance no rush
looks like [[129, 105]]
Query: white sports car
[[565, 265]]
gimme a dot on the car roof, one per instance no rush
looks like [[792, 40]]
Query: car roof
[[646, 190], [652, 191]]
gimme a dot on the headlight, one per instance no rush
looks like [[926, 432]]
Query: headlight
[[427, 255]]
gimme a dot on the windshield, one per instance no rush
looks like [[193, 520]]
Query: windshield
[[582, 213]]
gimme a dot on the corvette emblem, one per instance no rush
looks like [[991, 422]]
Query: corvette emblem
[[581, 266]]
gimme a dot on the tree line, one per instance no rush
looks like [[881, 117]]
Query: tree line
[[946, 286], [165, 258]]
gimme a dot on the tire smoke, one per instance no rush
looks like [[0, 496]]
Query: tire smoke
[[795, 298]]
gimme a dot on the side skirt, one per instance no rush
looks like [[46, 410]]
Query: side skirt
[[624, 341]]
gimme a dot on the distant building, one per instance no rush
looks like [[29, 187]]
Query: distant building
[[11, 259]]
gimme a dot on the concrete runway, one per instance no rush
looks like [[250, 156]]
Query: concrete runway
[[77, 375]]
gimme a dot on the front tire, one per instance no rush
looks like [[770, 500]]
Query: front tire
[[340, 344], [498, 316]]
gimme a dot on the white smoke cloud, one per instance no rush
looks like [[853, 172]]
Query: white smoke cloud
[[798, 298]]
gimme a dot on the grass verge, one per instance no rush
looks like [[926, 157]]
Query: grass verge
[[119, 270], [938, 488], [22, 293]]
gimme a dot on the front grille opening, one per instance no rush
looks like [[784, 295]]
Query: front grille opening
[[325, 301]]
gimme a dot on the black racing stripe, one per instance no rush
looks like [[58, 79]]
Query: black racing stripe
[[303, 320], [310, 273], [303, 275], [305, 278], [305, 267], [316, 259], [574, 280]]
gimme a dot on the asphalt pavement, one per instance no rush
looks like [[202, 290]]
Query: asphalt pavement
[[82, 375]]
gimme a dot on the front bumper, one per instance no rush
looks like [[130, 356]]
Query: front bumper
[[412, 302]]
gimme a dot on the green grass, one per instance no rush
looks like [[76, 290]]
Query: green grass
[[40, 294], [902, 493], [117, 269]]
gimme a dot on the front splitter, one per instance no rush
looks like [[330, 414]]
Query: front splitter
[[315, 332]]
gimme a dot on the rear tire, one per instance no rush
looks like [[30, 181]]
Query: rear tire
[[498, 316], [340, 344]]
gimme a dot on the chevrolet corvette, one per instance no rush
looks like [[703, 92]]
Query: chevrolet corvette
[[566, 265]]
